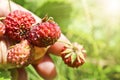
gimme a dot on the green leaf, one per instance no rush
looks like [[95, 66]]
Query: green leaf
[[32, 74], [20, 2]]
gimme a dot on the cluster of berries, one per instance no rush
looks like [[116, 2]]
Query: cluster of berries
[[21, 25], [22, 30]]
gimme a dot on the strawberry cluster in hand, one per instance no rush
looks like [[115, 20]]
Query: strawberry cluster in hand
[[23, 33], [24, 39]]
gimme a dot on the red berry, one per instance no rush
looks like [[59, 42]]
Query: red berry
[[2, 29], [19, 54], [73, 55], [44, 34], [18, 24]]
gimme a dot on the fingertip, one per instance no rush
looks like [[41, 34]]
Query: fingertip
[[46, 68], [58, 46]]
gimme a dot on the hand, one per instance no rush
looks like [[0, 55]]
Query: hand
[[44, 66]]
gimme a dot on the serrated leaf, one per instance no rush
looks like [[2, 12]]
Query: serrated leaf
[[73, 57]]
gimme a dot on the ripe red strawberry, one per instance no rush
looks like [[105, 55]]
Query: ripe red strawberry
[[19, 54], [2, 29], [18, 24], [73, 55], [45, 33]]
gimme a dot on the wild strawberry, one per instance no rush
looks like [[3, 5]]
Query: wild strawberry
[[19, 54], [2, 29], [45, 33], [18, 24], [73, 55]]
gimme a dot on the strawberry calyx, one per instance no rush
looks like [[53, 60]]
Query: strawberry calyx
[[47, 19], [73, 54]]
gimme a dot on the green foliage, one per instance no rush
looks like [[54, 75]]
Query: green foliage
[[5, 75], [20, 2]]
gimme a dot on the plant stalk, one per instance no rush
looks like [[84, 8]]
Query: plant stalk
[[9, 4]]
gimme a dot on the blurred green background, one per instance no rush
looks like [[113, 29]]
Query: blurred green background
[[92, 23]]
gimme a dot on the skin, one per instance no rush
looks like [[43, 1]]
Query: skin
[[45, 66]]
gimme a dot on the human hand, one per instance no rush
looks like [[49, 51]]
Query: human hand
[[44, 66], [41, 65]]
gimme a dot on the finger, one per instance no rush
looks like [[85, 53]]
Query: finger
[[45, 68], [58, 46], [19, 74]]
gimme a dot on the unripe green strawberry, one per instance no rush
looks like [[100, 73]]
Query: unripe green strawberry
[[73, 55]]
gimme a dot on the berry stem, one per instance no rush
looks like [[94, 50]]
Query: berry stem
[[9, 4]]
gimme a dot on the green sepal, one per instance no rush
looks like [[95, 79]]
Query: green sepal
[[82, 56], [73, 57], [67, 51], [68, 55]]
